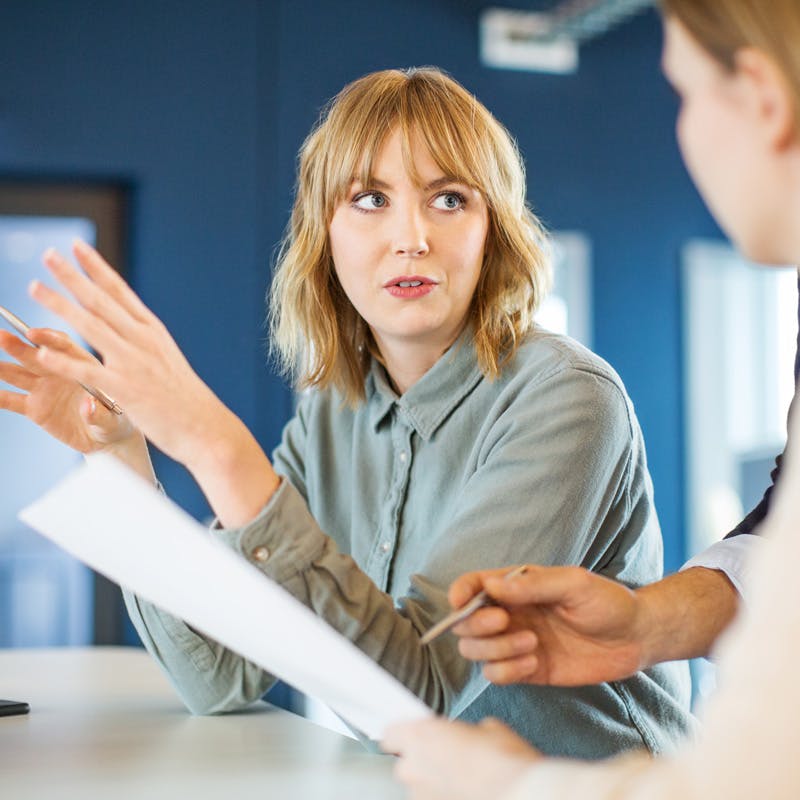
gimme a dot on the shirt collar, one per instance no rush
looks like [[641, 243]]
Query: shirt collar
[[434, 396]]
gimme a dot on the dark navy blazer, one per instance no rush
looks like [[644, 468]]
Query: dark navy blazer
[[750, 522]]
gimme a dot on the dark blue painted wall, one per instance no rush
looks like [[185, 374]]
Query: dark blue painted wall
[[202, 106], [164, 95]]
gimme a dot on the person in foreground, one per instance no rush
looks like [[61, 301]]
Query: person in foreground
[[442, 431], [736, 67]]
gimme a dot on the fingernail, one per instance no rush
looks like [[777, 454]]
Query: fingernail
[[92, 406]]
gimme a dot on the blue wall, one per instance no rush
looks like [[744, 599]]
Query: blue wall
[[201, 108]]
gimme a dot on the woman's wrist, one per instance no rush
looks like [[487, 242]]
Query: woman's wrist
[[232, 470], [132, 451]]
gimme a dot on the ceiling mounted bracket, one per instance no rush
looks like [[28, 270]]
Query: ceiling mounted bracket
[[549, 42]]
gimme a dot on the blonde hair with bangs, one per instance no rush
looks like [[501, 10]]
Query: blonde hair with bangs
[[318, 335]]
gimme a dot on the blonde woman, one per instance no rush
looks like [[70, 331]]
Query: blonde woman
[[735, 65], [442, 431]]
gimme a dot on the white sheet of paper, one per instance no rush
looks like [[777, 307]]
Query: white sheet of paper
[[114, 521]]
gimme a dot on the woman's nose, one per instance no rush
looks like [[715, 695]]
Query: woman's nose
[[411, 238]]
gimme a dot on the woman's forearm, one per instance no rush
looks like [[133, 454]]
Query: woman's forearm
[[233, 471]]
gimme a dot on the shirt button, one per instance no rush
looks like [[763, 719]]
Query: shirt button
[[403, 456], [385, 547], [260, 554]]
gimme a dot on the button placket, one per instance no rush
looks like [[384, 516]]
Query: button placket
[[385, 546]]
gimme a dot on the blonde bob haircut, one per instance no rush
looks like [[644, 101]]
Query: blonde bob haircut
[[724, 27], [316, 332]]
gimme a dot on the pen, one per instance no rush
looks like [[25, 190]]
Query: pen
[[15, 322], [479, 601]]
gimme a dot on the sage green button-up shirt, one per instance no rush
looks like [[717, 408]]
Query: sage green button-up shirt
[[383, 506]]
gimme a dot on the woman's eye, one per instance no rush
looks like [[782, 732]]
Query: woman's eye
[[369, 201], [449, 201]]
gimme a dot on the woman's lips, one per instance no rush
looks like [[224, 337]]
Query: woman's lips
[[409, 287]]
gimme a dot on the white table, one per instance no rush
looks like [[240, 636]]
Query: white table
[[104, 723]]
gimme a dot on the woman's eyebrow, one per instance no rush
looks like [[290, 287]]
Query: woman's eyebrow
[[439, 182], [377, 183]]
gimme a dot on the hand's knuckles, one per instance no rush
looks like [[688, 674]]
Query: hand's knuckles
[[577, 576], [157, 324], [56, 335]]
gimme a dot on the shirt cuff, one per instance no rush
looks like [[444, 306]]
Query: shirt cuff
[[732, 556], [282, 541]]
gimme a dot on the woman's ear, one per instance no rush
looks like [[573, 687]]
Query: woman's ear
[[772, 98]]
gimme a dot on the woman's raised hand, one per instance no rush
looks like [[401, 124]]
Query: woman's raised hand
[[142, 367], [147, 375], [56, 404]]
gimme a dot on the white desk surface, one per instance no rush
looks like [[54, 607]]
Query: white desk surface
[[104, 723]]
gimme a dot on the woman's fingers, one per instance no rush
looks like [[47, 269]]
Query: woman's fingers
[[60, 342], [13, 401], [17, 376], [90, 327], [17, 349], [69, 365], [89, 294], [108, 279]]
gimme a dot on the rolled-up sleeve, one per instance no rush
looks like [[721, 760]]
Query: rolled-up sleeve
[[733, 557]]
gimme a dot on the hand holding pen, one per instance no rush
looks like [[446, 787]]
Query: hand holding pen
[[553, 626], [73, 414], [15, 322], [480, 600], [142, 367], [146, 373]]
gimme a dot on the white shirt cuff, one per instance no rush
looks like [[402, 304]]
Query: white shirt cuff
[[732, 556]]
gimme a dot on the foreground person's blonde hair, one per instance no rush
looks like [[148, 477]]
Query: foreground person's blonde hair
[[316, 332], [724, 27]]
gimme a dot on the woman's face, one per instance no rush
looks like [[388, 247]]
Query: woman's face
[[722, 141], [409, 256]]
